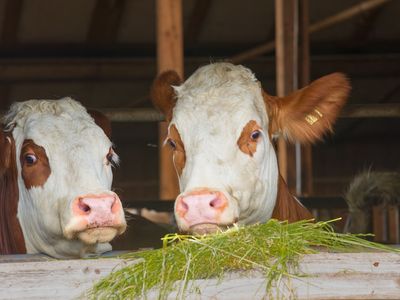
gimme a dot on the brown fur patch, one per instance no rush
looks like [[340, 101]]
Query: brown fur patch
[[102, 121], [308, 113], [246, 143], [163, 95], [11, 237], [34, 174], [179, 151], [287, 207]]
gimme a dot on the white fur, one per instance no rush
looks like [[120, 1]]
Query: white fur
[[76, 148], [212, 108]]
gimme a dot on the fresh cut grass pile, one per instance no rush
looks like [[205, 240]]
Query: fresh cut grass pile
[[273, 248]]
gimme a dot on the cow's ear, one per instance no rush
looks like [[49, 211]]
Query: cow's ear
[[287, 207], [163, 94], [6, 148], [102, 121], [308, 113]]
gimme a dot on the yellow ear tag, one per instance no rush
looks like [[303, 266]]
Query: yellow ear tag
[[314, 117]]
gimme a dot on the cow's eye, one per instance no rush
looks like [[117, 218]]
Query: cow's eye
[[30, 159], [171, 143], [255, 135]]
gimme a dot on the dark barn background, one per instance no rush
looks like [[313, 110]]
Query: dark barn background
[[103, 53]]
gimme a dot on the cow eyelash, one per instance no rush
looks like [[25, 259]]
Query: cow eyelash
[[112, 158], [171, 143]]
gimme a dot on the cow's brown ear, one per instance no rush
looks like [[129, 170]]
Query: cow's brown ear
[[11, 236], [162, 93], [6, 147], [287, 207], [308, 113], [102, 121]]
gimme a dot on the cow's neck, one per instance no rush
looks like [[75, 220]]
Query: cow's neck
[[287, 207], [11, 237]]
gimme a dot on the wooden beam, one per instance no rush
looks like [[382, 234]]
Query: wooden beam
[[85, 69], [383, 110], [105, 21], [393, 224], [306, 171], [53, 279], [124, 114], [11, 22], [370, 275], [196, 21], [169, 57], [286, 26], [318, 26]]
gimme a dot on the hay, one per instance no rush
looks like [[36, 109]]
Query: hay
[[273, 248]]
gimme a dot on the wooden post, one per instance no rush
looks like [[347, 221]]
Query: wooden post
[[169, 57], [286, 26], [304, 79]]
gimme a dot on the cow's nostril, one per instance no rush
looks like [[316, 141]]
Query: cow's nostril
[[185, 207], [84, 207], [182, 207], [217, 203]]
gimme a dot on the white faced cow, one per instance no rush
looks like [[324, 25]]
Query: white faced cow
[[221, 125], [55, 181]]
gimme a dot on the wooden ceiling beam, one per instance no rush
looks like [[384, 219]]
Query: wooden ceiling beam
[[105, 21], [340, 17]]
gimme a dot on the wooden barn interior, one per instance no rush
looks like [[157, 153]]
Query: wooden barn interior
[[105, 54]]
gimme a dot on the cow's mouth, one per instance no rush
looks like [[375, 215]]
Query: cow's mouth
[[207, 228], [95, 235], [91, 234]]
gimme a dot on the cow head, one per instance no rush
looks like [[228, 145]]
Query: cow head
[[63, 164], [221, 126]]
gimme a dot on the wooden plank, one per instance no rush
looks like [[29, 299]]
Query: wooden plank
[[62, 279], [24, 258], [329, 276], [393, 224], [286, 29], [169, 57], [105, 21], [379, 223]]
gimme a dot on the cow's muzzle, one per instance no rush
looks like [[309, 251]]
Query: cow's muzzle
[[96, 218], [202, 211]]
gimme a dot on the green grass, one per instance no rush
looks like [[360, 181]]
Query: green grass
[[273, 248]]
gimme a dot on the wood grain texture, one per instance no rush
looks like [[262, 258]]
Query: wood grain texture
[[169, 57], [330, 276], [62, 279]]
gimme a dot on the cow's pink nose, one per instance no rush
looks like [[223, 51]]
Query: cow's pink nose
[[98, 209], [203, 206]]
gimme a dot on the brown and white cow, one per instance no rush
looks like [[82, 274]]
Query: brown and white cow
[[221, 127], [55, 181]]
